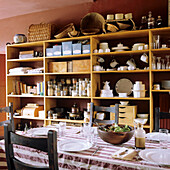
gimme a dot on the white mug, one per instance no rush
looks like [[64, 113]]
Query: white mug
[[131, 68], [140, 47], [97, 68], [123, 67], [107, 50], [144, 58], [113, 63], [100, 50], [131, 62], [95, 51]]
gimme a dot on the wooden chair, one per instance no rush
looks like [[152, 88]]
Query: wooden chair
[[8, 109], [160, 115], [104, 109], [44, 144]]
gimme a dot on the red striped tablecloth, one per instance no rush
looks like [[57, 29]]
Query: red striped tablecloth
[[83, 160]]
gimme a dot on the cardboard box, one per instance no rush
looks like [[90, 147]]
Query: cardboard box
[[54, 67], [81, 65]]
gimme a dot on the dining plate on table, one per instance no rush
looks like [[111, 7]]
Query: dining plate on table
[[43, 131], [155, 136], [157, 156], [74, 145]]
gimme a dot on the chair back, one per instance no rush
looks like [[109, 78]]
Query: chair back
[[48, 145], [160, 115], [8, 109], [114, 109]]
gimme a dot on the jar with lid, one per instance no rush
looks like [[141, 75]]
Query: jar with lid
[[159, 22], [140, 137], [151, 21]]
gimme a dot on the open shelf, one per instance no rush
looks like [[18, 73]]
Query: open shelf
[[26, 60], [120, 98]]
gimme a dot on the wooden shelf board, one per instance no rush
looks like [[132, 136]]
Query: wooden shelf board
[[67, 120], [161, 70], [120, 98], [67, 73], [122, 52], [27, 44], [13, 75], [160, 50], [146, 126], [122, 35], [125, 71], [33, 118], [26, 60], [67, 97], [25, 96], [69, 56], [161, 91], [68, 39]]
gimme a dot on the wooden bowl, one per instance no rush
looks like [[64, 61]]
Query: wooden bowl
[[115, 138]]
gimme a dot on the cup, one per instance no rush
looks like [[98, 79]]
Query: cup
[[95, 51], [100, 50], [144, 58], [97, 68], [131, 62], [123, 68], [156, 86], [140, 47], [164, 46], [146, 47], [62, 129], [113, 63], [131, 68], [163, 138], [107, 50]]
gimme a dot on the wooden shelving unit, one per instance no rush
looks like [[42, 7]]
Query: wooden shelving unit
[[128, 38]]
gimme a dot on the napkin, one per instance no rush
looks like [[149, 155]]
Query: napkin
[[125, 154]]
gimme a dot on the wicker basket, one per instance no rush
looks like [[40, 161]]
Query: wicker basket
[[40, 32]]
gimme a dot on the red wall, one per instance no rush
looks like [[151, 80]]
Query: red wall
[[2, 90], [20, 24]]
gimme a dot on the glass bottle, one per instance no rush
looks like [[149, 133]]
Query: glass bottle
[[158, 63], [140, 137], [26, 127], [167, 62], [143, 23], [159, 22], [163, 63], [151, 21], [153, 62]]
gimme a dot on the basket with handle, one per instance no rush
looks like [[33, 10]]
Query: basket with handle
[[40, 32]]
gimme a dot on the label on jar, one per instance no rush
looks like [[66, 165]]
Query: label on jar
[[140, 143]]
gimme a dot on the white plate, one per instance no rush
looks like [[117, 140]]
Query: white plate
[[124, 86], [120, 48], [74, 145], [155, 136], [43, 131], [158, 156]]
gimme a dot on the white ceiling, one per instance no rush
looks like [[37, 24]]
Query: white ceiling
[[11, 8]]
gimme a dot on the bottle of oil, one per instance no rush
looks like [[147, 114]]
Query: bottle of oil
[[140, 137]]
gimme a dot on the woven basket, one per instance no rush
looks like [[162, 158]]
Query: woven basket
[[40, 32]]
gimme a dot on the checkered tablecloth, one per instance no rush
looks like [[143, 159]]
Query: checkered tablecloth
[[102, 160]]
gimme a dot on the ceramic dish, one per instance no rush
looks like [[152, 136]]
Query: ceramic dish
[[124, 86], [120, 48], [158, 156], [74, 145]]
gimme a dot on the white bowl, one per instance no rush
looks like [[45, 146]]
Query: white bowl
[[143, 116], [124, 103], [122, 94]]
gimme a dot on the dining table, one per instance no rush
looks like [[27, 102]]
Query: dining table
[[93, 157]]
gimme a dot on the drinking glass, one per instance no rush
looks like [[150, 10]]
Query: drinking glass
[[163, 63], [163, 138], [62, 129], [159, 63], [167, 62]]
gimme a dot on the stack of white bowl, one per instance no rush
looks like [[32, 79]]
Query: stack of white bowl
[[104, 46], [139, 89]]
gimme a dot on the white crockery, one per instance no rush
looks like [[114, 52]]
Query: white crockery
[[124, 103]]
